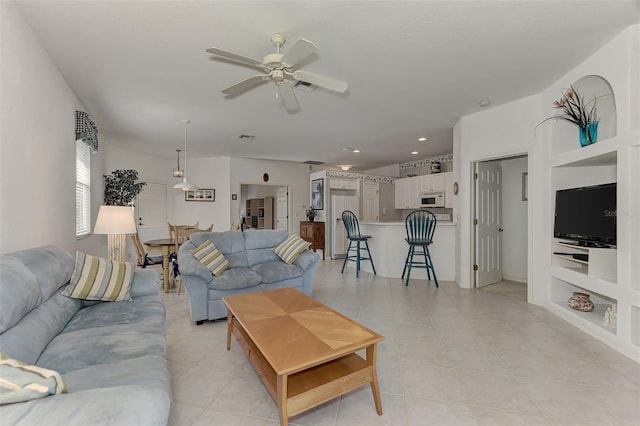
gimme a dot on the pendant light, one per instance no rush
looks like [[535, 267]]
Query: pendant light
[[177, 172], [185, 185]]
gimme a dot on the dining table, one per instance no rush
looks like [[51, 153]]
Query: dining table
[[165, 245]]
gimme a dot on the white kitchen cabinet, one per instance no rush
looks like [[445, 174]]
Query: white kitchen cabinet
[[432, 183], [347, 184], [407, 193]]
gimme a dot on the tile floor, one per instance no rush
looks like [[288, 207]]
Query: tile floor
[[450, 357], [508, 288]]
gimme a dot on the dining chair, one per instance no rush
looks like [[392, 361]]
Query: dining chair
[[209, 229], [420, 226], [181, 234], [143, 257], [356, 239]]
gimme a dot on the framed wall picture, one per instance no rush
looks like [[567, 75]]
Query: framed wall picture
[[317, 194], [200, 195]]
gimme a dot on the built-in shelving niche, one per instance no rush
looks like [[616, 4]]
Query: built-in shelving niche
[[561, 291], [564, 135]]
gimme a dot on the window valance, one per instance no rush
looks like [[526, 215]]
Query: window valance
[[86, 130]]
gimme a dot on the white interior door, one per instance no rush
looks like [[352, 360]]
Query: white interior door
[[489, 223], [151, 211], [370, 202], [282, 208]]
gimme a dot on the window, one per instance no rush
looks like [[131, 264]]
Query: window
[[83, 189]]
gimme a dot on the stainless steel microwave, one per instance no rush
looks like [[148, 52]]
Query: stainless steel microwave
[[432, 199]]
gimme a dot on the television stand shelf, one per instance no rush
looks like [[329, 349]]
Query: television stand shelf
[[601, 262]]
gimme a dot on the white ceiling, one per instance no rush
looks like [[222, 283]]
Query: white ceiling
[[413, 69]]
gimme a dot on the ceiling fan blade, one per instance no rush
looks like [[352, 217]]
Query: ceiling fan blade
[[321, 80], [298, 52], [234, 56], [245, 85], [288, 97]]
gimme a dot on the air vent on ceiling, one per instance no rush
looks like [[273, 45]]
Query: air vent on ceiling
[[313, 163], [303, 86]]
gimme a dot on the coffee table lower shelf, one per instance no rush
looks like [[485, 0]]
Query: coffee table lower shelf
[[314, 386]]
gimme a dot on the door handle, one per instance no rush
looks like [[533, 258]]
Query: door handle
[[500, 230]]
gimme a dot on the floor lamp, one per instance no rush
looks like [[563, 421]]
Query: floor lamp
[[115, 222]]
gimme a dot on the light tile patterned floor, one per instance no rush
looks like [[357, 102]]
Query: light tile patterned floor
[[450, 357]]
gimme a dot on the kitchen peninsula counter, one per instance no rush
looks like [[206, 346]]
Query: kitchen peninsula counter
[[389, 250]]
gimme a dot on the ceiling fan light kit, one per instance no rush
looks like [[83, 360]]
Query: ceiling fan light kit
[[280, 68]]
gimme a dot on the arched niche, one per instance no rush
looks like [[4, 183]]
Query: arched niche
[[594, 87]]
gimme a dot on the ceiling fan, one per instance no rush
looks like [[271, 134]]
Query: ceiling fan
[[280, 68]]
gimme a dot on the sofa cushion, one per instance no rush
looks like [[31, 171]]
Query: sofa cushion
[[134, 371], [277, 271], [145, 309], [230, 244], [95, 278], [101, 345], [28, 338], [290, 249], [263, 238], [21, 382], [51, 267], [19, 290], [211, 257], [235, 278]]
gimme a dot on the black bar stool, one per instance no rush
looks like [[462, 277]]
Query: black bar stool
[[353, 233], [420, 226]]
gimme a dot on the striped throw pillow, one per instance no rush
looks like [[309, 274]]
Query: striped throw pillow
[[95, 278], [290, 249], [20, 382], [211, 257]]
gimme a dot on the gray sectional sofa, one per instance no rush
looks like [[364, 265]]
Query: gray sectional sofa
[[111, 355], [254, 267]]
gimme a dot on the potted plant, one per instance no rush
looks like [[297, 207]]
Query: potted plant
[[121, 187], [311, 214], [583, 114]]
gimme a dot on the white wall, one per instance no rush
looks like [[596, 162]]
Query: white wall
[[37, 143], [206, 173], [392, 170], [514, 220]]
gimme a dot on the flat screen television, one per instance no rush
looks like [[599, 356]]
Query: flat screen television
[[587, 215]]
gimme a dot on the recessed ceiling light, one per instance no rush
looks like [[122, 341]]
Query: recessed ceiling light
[[422, 139], [485, 103], [414, 152], [345, 167], [356, 151]]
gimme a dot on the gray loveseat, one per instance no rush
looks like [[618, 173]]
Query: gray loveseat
[[254, 267], [110, 354]]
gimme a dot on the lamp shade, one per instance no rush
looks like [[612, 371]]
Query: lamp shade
[[185, 185], [115, 220]]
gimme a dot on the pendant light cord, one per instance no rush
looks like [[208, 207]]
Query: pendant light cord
[[186, 123]]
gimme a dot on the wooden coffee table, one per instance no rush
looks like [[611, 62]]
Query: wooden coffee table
[[303, 351]]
